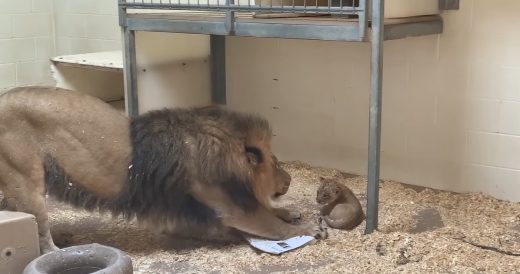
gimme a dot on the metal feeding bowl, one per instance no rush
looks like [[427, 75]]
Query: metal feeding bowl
[[82, 259]]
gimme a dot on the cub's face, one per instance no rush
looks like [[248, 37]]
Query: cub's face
[[327, 192]]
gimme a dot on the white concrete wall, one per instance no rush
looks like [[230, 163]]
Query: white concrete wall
[[451, 103], [33, 31], [26, 42], [173, 68], [84, 26]]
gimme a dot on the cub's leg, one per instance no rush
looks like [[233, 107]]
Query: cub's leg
[[23, 190], [344, 216], [326, 209], [335, 223]]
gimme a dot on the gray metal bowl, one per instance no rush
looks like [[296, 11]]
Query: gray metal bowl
[[82, 259]]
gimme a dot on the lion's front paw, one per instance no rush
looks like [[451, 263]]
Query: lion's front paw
[[288, 216], [294, 217], [318, 231]]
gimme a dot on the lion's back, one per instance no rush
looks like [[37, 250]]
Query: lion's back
[[88, 138]]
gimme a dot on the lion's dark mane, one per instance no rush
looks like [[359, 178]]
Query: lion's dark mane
[[171, 149]]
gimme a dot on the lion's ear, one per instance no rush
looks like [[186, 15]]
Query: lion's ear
[[254, 156]]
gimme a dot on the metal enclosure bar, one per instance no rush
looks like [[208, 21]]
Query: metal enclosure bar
[[299, 31], [374, 135], [230, 19], [231, 6], [129, 64], [363, 20], [218, 68], [177, 26], [130, 73], [345, 32]]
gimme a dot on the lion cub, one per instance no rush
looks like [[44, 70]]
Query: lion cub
[[341, 209]]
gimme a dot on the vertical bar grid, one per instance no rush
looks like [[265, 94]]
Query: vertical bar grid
[[374, 136]]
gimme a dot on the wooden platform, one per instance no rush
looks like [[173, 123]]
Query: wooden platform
[[107, 60]]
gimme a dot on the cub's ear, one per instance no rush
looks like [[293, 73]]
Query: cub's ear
[[322, 179], [254, 156]]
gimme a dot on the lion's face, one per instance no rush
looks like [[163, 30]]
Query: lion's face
[[271, 180], [281, 179]]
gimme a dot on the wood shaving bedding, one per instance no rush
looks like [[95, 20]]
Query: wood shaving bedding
[[420, 230]]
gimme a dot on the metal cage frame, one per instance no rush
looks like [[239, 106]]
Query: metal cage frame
[[230, 24]]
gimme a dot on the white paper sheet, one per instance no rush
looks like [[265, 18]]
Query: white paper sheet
[[279, 247]]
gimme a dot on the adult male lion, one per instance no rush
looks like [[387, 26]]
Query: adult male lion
[[195, 171]]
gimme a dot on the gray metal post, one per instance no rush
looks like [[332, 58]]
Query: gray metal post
[[130, 72], [363, 20], [374, 135], [218, 68]]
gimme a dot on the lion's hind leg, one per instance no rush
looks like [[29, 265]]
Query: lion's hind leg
[[32, 203], [24, 191]]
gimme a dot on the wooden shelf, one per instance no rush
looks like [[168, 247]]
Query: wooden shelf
[[109, 60]]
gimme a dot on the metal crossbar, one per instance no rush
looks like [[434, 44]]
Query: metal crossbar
[[345, 7]]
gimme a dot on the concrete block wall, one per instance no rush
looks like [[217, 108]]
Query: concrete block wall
[[451, 102], [492, 159], [26, 42], [84, 26], [32, 31]]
